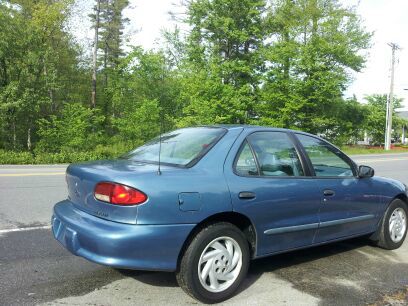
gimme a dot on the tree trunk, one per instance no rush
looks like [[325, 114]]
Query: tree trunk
[[95, 53], [29, 139], [105, 64], [14, 134], [50, 91], [286, 65], [5, 76]]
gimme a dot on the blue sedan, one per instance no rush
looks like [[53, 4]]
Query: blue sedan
[[204, 201]]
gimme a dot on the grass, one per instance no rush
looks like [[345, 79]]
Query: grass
[[355, 150]]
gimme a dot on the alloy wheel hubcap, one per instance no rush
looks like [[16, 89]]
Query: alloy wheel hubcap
[[220, 264], [397, 225]]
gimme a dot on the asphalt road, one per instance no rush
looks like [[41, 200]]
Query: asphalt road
[[35, 269]]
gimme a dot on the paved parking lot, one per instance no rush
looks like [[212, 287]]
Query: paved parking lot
[[35, 269]]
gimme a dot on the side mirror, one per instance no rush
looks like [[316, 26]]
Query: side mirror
[[365, 171]]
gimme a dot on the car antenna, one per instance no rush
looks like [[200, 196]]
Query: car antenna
[[160, 141]]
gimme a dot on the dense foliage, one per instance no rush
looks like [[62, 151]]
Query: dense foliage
[[376, 113], [281, 63]]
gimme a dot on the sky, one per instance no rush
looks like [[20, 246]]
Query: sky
[[387, 19], [389, 22]]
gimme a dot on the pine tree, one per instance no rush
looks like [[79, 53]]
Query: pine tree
[[224, 54], [109, 23]]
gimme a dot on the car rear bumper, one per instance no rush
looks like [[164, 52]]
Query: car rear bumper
[[139, 247]]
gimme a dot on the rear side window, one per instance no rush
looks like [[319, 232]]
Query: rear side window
[[273, 154], [246, 164], [181, 147], [325, 160]]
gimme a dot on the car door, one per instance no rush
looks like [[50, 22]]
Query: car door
[[349, 205], [269, 184]]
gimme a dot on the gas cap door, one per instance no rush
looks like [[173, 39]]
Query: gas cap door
[[189, 201]]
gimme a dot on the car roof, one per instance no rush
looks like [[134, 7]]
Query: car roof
[[255, 127]]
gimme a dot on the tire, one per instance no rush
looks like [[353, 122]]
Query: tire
[[395, 217], [213, 241]]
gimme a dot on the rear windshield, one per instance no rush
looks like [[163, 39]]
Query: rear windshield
[[182, 147]]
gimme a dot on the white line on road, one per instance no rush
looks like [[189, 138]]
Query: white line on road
[[379, 160], [32, 169], [32, 174], [24, 229]]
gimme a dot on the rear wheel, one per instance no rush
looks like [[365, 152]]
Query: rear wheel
[[215, 263], [394, 226]]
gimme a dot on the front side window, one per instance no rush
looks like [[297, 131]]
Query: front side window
[[324, 159], [275, 155], [180, 147]]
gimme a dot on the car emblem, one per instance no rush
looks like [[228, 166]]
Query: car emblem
[[76, 191]]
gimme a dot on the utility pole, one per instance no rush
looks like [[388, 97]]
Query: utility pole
[[390, 101]]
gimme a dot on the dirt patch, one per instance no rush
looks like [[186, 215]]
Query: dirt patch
[[397, 298]]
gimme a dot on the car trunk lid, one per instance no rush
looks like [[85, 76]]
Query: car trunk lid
[[82, 179]]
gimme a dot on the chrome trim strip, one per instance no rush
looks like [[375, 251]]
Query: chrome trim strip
[[290, 229], [303, 227], [346, 220]]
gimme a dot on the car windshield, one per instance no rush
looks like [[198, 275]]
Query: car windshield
[[181, 147]]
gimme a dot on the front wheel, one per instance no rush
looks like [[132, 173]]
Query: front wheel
[[215, 263], [394, 226]]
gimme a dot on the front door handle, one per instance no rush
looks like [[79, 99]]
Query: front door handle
[[246, 195], [328, 193]]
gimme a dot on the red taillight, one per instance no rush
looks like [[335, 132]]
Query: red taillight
[[118, 194]]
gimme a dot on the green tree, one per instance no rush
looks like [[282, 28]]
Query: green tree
[[143, 89], [313, 46], [38, 61], [224, 63], [284, 63], [112, 24], [376, 117], [108, 22]]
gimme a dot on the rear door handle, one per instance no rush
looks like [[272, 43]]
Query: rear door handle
[[246, 195], [328, 193]]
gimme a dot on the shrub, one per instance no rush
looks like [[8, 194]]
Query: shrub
[[10, 157], [38, 157], [77, 128]]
